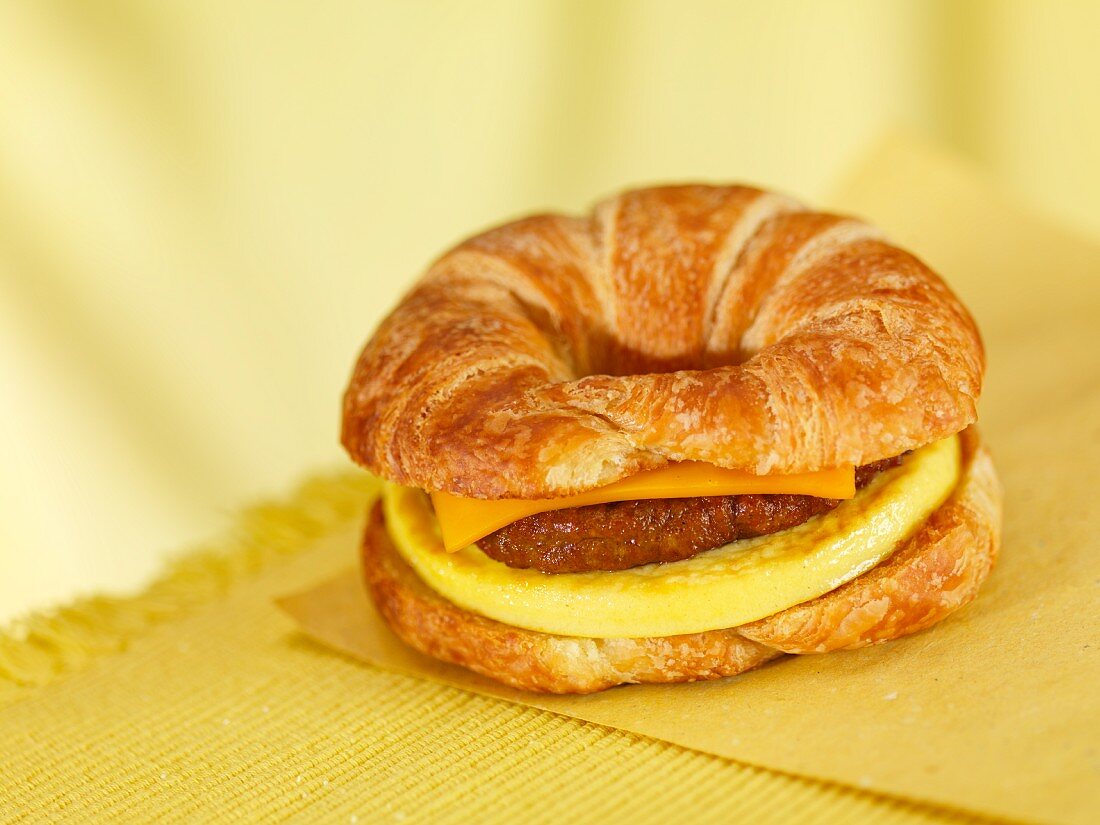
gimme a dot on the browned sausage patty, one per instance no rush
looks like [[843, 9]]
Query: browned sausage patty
[[626, 534]]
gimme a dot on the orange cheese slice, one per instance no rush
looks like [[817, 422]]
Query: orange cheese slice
[[462, 521]]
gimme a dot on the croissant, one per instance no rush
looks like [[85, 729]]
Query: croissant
[[719, 324]]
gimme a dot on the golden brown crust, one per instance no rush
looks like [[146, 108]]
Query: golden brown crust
[[528, 659], [720, 324], [934, 572]]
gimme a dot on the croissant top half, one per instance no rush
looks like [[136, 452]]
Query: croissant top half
[[713, 323]]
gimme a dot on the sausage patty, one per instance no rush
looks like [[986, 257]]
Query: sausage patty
[[625, 534]]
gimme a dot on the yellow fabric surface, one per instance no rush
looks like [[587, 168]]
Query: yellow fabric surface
[[205, 205], [225, 713]]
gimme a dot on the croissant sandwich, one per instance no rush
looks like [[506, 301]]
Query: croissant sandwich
[[696, 430]]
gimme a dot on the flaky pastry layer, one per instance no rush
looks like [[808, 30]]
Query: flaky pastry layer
[[721, 324]]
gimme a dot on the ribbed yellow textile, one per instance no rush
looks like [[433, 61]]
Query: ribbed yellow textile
[[198, 701]]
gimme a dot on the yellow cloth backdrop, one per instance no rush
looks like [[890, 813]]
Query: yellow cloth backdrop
[[205, 206]]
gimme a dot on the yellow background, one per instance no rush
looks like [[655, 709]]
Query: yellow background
[[205, 206]]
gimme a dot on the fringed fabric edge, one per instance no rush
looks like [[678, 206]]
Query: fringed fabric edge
[[36, 649]]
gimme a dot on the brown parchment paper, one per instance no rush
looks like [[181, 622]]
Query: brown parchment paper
[[997, 709]]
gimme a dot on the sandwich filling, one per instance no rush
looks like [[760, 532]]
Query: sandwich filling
[[621, 534], [738, 582], [463, 520]]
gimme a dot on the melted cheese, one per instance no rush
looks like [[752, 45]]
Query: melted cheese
[[463, 521], [721, 588]]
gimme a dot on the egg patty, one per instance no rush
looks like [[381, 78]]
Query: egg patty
[[730, 585]]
